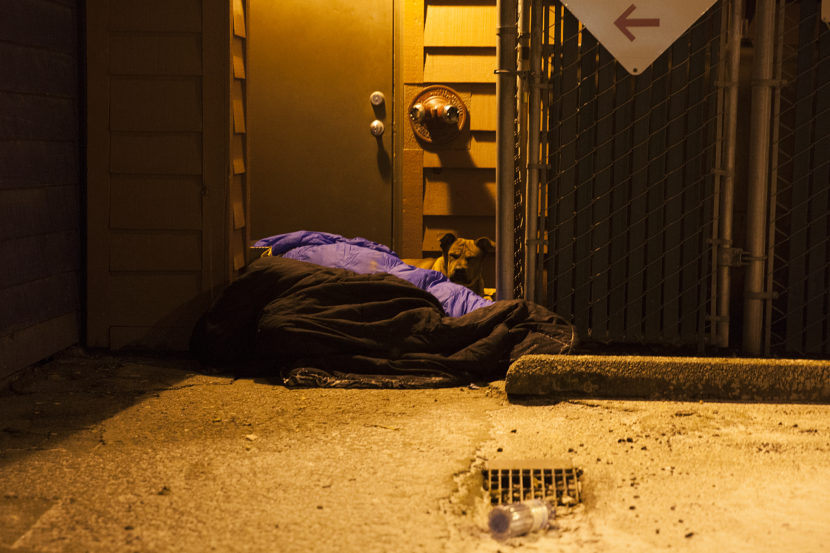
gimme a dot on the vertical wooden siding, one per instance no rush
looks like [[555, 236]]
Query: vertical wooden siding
[[40, 209], [157, 167], [450, 188], [238, 185]]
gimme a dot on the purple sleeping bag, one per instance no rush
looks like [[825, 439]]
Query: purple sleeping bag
[[365, 257]]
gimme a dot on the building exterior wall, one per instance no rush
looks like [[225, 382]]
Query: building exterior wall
[[40, 180], [159, 168], [449, 188]]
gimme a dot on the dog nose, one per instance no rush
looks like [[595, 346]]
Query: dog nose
[[459, 275]]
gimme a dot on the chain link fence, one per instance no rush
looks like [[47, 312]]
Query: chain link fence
[[798, 318], [629, 194], [518, 213]]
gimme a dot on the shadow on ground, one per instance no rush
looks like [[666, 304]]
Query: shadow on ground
[[72, 392]]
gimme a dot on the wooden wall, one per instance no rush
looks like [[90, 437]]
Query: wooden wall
[[40, 191], [238, 186], [159, 73], [451, 188]]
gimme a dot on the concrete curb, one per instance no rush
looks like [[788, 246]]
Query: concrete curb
[[679, 378]]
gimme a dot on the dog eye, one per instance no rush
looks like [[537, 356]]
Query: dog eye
[[455, 255]]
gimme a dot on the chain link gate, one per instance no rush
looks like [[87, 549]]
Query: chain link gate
[[798, 315], [632, 212], [628, 197]]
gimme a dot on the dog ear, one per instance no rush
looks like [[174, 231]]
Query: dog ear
[[485, 244], [447, 241]]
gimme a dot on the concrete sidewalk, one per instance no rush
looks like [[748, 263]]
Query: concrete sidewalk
[[108, 453]]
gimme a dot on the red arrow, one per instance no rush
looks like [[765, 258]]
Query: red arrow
[[623, 22]]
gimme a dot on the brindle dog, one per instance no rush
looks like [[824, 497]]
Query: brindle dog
[[461, 261]]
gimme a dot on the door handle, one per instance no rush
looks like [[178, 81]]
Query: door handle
[[376, 127]]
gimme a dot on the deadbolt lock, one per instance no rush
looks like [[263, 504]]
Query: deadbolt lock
[[437, 114], [377, 98]]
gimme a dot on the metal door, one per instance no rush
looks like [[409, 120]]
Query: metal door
[[314, 164]]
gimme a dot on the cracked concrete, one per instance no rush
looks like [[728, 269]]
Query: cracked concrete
[[118, 453]]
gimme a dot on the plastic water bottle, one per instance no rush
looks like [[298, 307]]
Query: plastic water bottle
[[516, 519]]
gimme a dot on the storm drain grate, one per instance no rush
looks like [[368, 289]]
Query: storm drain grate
[[509, 482]]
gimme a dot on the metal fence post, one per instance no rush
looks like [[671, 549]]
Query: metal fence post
[[533, 157], [727, 191], [506, 101], [758, 176]]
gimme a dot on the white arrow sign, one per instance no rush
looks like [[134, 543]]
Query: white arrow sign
[[636, 32]]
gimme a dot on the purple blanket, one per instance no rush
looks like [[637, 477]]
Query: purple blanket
[[365, 257]]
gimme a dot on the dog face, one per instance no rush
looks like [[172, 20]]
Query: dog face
[[463, 259]]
